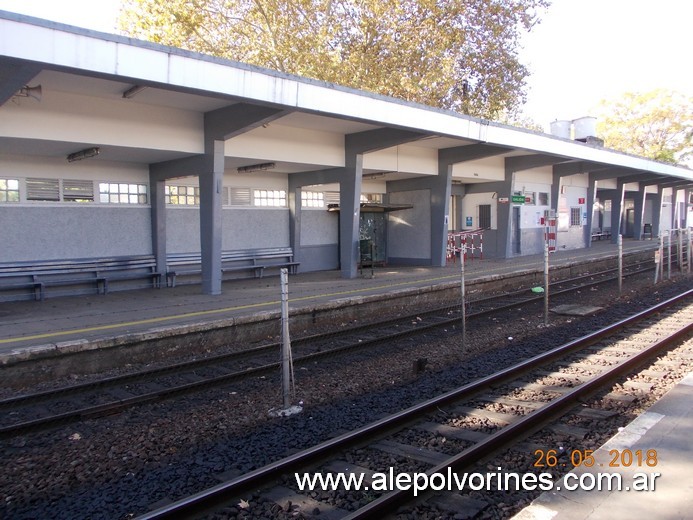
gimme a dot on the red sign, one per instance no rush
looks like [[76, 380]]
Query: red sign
[[581, 200]]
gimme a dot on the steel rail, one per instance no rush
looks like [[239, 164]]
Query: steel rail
[[117, 405], [233, 356], [220, 494]]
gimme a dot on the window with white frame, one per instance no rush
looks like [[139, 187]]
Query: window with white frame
[[576, 216], [9, 190], [182, 195], [122, 193], [312, 199], [269, 198]]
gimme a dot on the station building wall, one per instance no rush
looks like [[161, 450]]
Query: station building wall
[[62, 229], [535, 186], [409, 230]]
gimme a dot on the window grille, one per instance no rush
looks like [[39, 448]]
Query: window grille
[[312, 199], [485, 216], [269, 198], [78, 191], [43, 189], [183, 195], [575, 216], [122, 193], [9, 190], [240, 196]]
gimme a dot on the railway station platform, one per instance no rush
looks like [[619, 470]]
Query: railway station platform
[[664, 431], [31, 330]]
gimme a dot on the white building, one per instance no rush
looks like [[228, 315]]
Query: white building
[[132, 149]]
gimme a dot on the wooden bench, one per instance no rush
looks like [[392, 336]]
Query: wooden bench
[[251, 260], [93, 273]]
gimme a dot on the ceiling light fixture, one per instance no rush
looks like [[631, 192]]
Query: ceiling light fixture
[[133, 91], [256, 167], [83, 154]]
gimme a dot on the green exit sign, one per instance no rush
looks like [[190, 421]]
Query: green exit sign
[[518, 199]]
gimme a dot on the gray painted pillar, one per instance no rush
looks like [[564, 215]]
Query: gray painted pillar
[[639, 212], [617, 211], [349, 211], [685, 206], [295, 220], [158, 217], [440, 205], [555, 191], [591, 196], [504, 221], [657, 213], [210, 217]]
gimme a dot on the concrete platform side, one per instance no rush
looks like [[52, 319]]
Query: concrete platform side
[[308, 309], [660, 487]]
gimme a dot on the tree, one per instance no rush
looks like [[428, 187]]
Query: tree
[[656, 124], [456, 54]]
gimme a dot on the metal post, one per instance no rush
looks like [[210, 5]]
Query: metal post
[[620, 263], [546, 283], [287, 362], [688, 251], [659, 259], [463, 297], [680, 250], [669, 255]]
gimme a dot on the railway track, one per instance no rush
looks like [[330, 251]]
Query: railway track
[[42, 410], [467, 416]]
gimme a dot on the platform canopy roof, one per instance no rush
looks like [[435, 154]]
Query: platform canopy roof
[[88, 63]]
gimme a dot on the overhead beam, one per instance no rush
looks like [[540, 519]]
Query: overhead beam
[[230, 121], [566, 169], [471, 152], [378, 139], [527, 162], [13, 76]]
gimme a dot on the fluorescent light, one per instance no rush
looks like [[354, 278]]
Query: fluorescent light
[[83, 154], [133, 91], [256, 167]]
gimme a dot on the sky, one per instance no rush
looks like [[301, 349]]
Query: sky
[[582, 52]]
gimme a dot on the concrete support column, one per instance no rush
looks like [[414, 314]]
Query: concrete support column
[[158, 217], [211, 183], [617, 211], [440, 206], [639, 212], [350, 207], [294, 195], [591, 196], [657, 204]]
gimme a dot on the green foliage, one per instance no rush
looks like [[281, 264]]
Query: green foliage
[[456, 54], [657, 125]]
